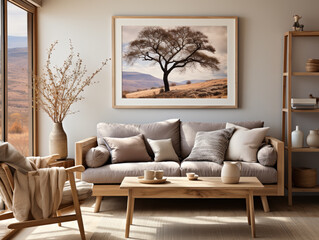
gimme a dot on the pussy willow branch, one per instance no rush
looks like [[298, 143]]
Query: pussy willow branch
[[57, 88]]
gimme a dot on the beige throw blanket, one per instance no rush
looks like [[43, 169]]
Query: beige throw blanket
[[38, 197]]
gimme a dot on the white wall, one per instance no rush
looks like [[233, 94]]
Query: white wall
[[261, 28]]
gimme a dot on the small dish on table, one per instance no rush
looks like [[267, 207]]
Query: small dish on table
[[195, 177], [191, 176], [141, 179]]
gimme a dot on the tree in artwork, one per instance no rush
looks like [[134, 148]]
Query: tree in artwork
[[174, 48]]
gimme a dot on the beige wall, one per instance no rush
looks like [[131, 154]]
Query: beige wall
[[261, 28]]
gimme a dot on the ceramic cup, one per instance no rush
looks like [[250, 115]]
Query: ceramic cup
[[149, 174], [190, 174], [159, 174]]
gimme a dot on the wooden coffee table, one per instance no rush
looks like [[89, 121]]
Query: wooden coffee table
[[181, 187]]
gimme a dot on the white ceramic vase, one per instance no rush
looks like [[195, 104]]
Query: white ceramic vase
[[297, 138], [58, 142], [231, 172], [313, 139]]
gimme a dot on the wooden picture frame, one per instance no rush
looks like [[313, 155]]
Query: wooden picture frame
[[175, 62]]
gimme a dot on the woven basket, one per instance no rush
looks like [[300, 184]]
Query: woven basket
[[304, 177], [312, 65]]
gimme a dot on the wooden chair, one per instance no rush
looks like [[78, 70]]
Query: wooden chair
[[8, 186]]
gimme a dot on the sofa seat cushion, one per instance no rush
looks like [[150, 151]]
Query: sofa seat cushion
[[115, 173], [189, 130], [266, 175]]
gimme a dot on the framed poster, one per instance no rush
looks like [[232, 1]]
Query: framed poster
[[175, 62]]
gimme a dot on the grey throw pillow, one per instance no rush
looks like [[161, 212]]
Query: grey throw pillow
[[130, 149], [97, 156], [267, 156], [211, 146]]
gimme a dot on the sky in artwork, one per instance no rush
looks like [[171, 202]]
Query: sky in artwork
[[217, 36]]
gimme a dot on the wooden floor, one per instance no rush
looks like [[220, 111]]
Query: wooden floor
[[173, 219]]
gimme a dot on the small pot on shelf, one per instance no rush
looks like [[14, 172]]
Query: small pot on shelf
[[313, 139]]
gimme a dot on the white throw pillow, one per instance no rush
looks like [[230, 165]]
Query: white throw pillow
[[163, 150], [244, 143]]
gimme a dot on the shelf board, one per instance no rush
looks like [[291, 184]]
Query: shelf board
[[305, 74], [316, 110], [303, 33], [298, 189], [304, 149]]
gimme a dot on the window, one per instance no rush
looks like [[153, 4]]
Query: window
[[16, 79]]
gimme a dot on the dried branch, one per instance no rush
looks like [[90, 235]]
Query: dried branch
[[57, 88]]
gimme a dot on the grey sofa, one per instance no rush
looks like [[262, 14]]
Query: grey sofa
[[107, 178]]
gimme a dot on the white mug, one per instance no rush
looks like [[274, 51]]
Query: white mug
[[149, 174]]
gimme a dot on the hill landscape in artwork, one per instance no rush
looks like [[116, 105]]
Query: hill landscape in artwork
[[139, 85]]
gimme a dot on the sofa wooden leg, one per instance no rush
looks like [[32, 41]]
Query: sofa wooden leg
[[265, 203], [58, 214], [97, 204]]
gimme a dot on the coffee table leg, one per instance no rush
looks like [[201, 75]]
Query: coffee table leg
[[252, 214], [247, 209], [132, 210], [129, 212]]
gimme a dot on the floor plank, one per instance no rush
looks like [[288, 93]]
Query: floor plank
[[173, 219]]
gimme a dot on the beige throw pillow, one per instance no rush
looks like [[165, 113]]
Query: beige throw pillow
[[130, 149], [163, 150], [244, 143]]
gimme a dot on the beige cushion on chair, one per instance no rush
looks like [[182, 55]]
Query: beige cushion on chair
[[84, 190]]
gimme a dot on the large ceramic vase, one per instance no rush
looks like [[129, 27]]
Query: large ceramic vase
[[58, 142]]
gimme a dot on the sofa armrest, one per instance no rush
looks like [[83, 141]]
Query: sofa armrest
[[279, 147], [81, 148]]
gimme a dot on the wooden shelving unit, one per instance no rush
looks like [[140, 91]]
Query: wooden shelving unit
[[287, 111]]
